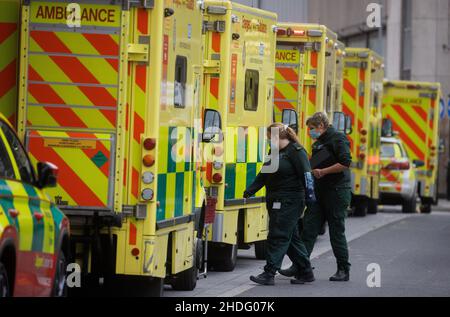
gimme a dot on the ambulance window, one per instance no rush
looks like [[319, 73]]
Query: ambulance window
[[24, 165], [6, 169], [180, 82], [251, 90]]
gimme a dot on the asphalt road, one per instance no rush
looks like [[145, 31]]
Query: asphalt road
[[412, 252]]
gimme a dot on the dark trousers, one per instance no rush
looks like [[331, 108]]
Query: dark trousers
[[284, 235], [331, 206]]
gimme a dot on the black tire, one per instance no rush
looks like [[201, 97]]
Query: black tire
[[187, 280], [222, 257], [409, 206], [372, 206], [5, 288], [360, 211], [137, 286], [59, 285], [260, 250], [425, 208]]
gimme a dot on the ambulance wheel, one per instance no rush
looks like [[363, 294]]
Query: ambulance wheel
[[5, 290], [59, 284], [137, 286], [187, 280], [409, 206], [260, 250], [372, 207], [360, 211], [425, 209], [222, 257]]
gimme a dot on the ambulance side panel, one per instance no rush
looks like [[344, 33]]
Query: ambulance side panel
[[413, 110], [9, 48]]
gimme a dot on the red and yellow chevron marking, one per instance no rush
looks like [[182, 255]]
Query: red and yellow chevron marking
[[392, 177], [83, 160], [286, 95], [351, 105], [136, 114], [73, 80], [9, 43], [310, 97], [411, 122]]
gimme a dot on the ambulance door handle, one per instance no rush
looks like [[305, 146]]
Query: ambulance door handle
[[38, 216], [13, 213]]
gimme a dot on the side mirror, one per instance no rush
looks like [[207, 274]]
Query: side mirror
[[418, 163], [441, 146], [348, 125], [290, 118], [212, 126], [339, 121], [387, 129], [47, 175]]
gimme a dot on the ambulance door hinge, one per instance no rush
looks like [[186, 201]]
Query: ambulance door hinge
[[213, 26], [139, 52], [211, 66], [361, 89], [146, 4], [310, 80]]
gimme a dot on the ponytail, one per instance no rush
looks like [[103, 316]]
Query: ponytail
[[285, 132], [292, 136]]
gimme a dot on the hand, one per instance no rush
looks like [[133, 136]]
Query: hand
[[318, 173]]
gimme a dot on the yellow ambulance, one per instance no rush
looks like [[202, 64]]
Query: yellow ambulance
[[305, 80], [110, 93], [239, 59], [361, 101], [9, 48], [412, 110]]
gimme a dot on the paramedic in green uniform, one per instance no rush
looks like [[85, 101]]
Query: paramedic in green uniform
[[285, 199], [333, 192]]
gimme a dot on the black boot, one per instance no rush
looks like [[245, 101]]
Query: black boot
[[264, 278], [290, 272], [342, 275], [304, 276]]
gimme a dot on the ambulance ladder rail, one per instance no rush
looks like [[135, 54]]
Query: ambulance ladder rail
[[204, 272]]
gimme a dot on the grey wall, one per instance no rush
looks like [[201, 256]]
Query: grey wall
[[287, 10]]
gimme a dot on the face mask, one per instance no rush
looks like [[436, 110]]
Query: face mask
[[314, 134]]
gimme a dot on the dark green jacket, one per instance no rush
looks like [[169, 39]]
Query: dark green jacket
[[338, 144], [289, 180]]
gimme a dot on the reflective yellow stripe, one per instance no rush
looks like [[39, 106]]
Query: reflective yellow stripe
[[21, 200]]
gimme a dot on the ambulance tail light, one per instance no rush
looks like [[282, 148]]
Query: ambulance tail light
[[148, 160], [149, 144], [399, 166], [315, 33], [295, 33], [281, 32], [362, 156], [413, 87], [217, 178], [363, 132]]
